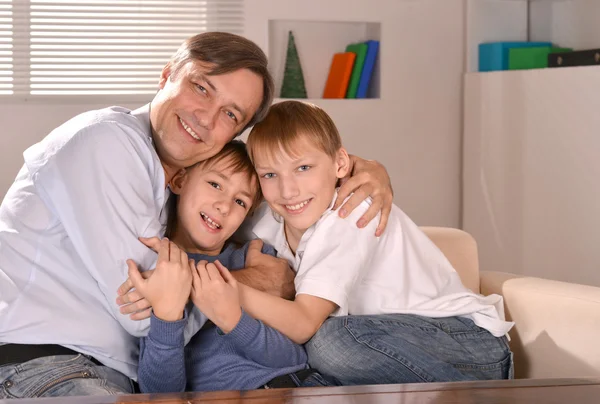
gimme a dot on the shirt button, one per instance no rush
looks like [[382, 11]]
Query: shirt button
[[8, 384]]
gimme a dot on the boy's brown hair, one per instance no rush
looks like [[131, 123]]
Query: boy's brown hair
[[289, 122], [238, 161]]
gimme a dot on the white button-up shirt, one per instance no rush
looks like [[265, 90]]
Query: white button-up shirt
[[68, 224]]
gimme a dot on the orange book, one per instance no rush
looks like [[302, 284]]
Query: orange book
[[339, 75]]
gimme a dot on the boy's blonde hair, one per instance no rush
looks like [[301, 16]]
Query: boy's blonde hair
[[238, 160], [289, 122]]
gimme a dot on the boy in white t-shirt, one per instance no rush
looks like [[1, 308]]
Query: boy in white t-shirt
[[387, 309]]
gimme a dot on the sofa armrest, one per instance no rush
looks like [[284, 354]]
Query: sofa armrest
[[557, 324]]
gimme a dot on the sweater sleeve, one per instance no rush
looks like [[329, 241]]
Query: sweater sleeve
[[162, 360], [264, 345]]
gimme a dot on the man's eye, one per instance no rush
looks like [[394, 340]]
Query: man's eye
[[241, 203], [201, 88], [231, 115], [214, 185], [304, 168]]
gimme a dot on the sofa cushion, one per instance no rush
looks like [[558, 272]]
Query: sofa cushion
[[461, 250]]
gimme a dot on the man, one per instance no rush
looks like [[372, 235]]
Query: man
[[93, 186]]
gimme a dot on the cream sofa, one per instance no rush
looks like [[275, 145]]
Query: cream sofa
[[557, 324]]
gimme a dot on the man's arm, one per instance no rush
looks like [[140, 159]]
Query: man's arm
[[366, 178], [266, 273], [101, 187]]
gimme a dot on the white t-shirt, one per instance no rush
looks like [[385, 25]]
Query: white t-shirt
[[68, 224], [402, 271]]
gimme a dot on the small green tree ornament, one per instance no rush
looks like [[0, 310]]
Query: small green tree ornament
[[293, 80]]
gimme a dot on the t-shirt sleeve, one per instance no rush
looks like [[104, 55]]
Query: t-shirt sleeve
[[336, 257]]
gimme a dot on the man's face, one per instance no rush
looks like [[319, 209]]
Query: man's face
[[194, 114]]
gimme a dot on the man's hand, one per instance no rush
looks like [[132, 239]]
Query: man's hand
[[367, 178], [266, 273], [215, 293], [130, 300], [168, 289]]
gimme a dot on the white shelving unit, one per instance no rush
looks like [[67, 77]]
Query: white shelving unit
[[316, 52], [530, 153], [413, 126]]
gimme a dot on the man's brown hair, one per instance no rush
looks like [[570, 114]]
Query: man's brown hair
[[226, 53], [287, 123]]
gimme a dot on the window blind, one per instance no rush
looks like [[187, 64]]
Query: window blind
[[62, 47]]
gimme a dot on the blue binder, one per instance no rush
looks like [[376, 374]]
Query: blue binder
[[494, 56], [367, 71]]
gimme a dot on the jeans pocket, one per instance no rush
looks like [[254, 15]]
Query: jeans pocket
[[490, 371], [35, 377], [319, 380]]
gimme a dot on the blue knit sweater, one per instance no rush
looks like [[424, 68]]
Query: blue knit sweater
[[246, 358]]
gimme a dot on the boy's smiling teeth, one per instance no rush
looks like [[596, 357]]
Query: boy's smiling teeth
[[212, 224], [189, 130], [297, 206]]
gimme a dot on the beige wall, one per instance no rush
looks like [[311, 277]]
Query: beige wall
[[414, 129]]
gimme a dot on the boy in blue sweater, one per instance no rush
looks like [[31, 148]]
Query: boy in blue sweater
[[233, 351]]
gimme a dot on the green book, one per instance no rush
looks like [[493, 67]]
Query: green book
[[531, 58], [361, 52]]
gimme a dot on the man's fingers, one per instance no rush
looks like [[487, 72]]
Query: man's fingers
[[346, 188], [225, 272], [254, 250], [131, 297], [385, 214], [368, 215], [125, 287], [141, 315], [134, 275], [352, 202], [139, 303], [152, 242]]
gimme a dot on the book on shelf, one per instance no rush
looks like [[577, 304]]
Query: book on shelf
[[367, 69], [587, 57], [339, 75], [360, 49]]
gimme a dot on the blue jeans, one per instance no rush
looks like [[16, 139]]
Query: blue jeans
[[401, 348], [59, 376]]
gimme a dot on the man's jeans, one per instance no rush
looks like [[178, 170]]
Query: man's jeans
[[59, 376], [401, 348]]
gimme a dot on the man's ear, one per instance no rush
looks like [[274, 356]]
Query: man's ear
[[342, 162], [178, 181], [164, 76]]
